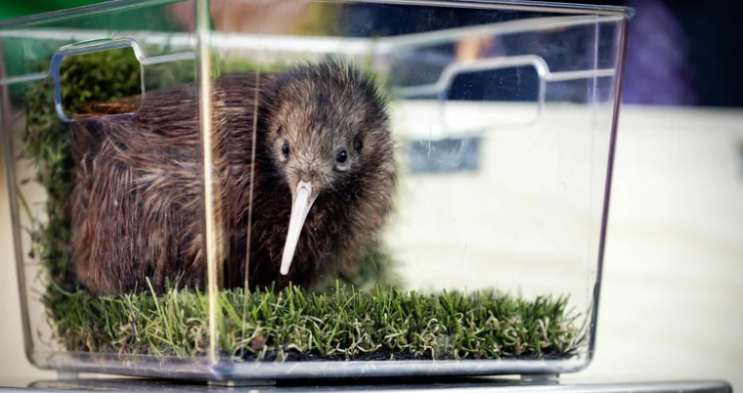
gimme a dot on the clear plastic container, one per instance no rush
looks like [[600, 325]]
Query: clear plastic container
[[396, 188]]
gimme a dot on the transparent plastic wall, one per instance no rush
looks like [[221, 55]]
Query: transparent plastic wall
[[395, 187]]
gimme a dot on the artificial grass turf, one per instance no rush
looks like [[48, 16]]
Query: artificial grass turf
[[362, 317], [342, 323]]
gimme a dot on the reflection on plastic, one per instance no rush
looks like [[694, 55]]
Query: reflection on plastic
[[444, 156], [512, 84], [518, 87]]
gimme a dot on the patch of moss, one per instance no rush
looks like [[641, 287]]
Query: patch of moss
[[362, 316]]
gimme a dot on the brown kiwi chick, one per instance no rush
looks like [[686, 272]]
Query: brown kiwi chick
[[323, 181]]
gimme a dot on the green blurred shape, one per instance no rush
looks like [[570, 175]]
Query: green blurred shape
[[15, 9], [23, 56]]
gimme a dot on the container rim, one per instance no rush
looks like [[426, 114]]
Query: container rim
[[513, 5]]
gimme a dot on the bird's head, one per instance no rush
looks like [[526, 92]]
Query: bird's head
[[327, 126]]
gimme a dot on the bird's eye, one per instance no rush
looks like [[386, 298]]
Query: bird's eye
[[341, 157], [285, 148]]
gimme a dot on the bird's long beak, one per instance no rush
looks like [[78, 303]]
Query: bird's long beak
[[303, 200]]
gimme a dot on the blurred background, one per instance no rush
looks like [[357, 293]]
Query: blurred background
[[672, 295]]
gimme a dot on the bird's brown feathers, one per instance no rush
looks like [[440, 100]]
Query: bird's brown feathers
[[137, 205]]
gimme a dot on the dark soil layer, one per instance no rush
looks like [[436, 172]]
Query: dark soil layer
[[399, 356]]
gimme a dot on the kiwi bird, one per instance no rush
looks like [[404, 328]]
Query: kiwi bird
[[304, 164]]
